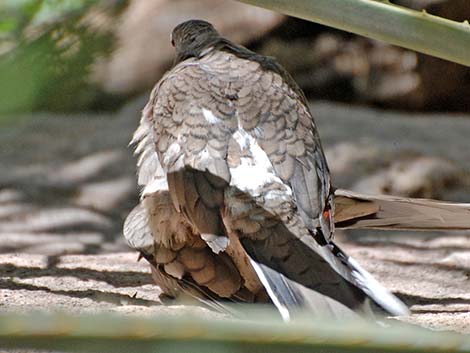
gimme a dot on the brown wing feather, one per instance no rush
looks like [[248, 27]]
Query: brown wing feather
[[180, 260]]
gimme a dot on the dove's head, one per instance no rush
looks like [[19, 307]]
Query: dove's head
[[192, 38]]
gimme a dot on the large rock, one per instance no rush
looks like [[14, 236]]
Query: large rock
[[333, 64], [143, 51], [414, 176]]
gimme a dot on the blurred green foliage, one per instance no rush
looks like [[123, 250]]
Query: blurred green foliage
[[47, 48], [261, 331]]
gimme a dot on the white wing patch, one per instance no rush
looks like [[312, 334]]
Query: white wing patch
[[210, 117], [156, 185], [255, 170], [172, 153], [137, 232]]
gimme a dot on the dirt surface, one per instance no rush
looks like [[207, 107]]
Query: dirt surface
[[67, 182]]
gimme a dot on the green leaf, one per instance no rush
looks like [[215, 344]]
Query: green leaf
[[8, 25]]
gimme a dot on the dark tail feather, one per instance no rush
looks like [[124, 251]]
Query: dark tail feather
[[350, 270], [292, 298], [381, 296], [284, 296]]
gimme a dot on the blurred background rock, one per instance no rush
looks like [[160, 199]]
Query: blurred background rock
[[74, 75]]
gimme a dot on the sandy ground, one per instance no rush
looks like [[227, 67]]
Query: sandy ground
[[67, 182]]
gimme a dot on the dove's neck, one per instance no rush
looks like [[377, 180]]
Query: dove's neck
[[198, 48]]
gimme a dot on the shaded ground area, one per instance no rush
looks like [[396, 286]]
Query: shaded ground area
[[429, 272], [67, 182]]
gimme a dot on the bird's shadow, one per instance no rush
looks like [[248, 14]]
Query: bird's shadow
[[410, 300]]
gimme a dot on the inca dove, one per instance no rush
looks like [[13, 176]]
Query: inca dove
[[237, 202]]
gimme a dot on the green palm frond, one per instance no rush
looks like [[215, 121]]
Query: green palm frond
[[384, 21]]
